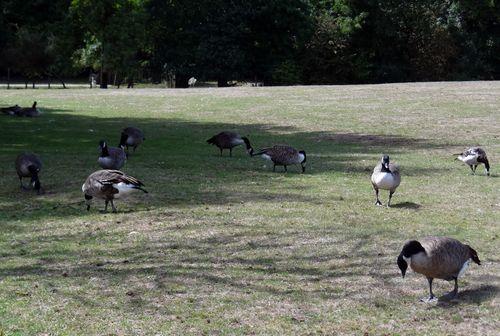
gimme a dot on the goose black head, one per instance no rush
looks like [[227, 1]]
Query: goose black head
[[303, 162], [103, 146], [248, 145], [409, 249], [88, 201], [385, 162]]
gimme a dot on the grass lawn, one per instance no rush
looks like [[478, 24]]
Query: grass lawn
[[225, 246]]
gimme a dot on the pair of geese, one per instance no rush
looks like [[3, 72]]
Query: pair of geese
[[19, 111]]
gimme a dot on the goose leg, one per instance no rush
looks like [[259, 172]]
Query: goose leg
[[113, 206], [453, 294], [472, 168], [390, 197], [274, 167], [23, 187], [135, 147], [431, 297], [106, 205], [378, 200], [220, 151], [285, 169], [475, 167], [230, 152]]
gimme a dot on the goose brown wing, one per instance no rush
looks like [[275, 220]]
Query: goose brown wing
[[446, 256], [116, 176]]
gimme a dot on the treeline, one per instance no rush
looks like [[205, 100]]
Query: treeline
[[271, 41]]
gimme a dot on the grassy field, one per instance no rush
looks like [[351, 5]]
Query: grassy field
[[225, 246]]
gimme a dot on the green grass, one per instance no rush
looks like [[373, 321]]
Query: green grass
[[225, 246]]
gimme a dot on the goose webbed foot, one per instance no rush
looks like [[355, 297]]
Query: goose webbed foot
[[429, 299]]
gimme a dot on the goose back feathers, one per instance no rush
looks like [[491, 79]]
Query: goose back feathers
[[109, 185], [473, 157], [283, 155], [29, 165], [229, 140], [111, 157]]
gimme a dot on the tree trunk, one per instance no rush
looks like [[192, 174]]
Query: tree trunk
[[48, 82], [181, 81], [104, 80], [8, 78], [25, 84], [222, 82]]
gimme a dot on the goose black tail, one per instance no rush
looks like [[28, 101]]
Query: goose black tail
[[140, 188], [473, 255]]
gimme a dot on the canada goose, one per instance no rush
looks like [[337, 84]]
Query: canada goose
[[29, 165], [131, 136], [385, 176], [282, 155], [437, 258], [29, 111], [108, 185], [228, 140], [473, 157], [111, 157], [11, 110]]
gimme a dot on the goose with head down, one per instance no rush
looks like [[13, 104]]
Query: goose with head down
[[131, 137], [437, 258], [473, 157], [283, 155], [29, 165], [229, 140], [109, 185]]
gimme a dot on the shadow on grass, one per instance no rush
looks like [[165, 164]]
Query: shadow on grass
[[471, 296], [175, 163], [406, 205]]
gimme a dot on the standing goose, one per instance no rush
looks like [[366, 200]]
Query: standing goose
[[29, 111], [131, 137], [283, 155], [111, 157], [109, 185], [385, 176], [29, 165], [437, 258], [228, 140], [473, 157]]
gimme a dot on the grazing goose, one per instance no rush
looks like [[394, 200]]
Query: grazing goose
[[282, 155], [473, 157], [131, 136], [437, 258], [29, 165], [11, 110], [385, 176], [29, 111], [228, 140], [111, 157], [108, 185]]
